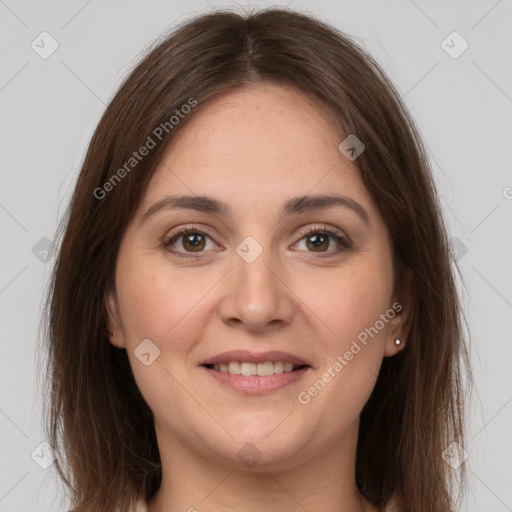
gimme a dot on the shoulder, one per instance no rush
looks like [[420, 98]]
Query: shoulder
[[391, 506], [141, 507]]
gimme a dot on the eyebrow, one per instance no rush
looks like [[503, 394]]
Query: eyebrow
[[294, 206]]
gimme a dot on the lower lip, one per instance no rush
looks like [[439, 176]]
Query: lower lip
[[254, 384]]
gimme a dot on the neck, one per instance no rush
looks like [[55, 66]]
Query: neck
[[196, 482]]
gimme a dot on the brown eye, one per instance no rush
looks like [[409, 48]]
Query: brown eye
[[317, 242], [187, 242], [194, 241]]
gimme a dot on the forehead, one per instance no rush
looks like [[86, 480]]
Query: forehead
[[259, 120], [257, 146]]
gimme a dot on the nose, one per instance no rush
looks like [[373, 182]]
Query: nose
[[257, 297]]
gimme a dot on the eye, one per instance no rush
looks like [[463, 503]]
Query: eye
[[318, 240], [190, 240]]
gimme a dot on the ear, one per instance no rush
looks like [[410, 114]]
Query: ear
[[402, 305], [113, 323]]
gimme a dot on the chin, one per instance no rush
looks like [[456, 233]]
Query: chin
[[258, 451]]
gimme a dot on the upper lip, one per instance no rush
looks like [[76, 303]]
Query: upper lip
[[255, 357]]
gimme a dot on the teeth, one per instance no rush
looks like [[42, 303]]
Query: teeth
[[278, 367], [234, 367], [248, 368], [262, 369]]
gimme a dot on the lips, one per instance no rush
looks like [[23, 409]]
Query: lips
[[254, 373]]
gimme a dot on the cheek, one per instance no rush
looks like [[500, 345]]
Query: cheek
[[354, 300], [351, 306], [158, 304], [149, 304]]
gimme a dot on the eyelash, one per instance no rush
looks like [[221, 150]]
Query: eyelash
[[322, 229]]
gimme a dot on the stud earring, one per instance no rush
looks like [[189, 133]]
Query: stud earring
[[398, 342]]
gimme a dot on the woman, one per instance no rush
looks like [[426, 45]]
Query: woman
[[253, 304]]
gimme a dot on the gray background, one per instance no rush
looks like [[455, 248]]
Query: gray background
[[49, 108]]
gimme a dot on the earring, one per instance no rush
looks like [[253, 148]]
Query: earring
[[398, 342]]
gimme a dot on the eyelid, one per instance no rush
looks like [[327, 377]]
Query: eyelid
[[324, 228], [192, 227]]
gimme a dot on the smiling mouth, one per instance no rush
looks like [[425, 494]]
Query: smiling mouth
[[264, 369]]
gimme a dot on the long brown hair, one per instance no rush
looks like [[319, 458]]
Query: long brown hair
[[96, 419]]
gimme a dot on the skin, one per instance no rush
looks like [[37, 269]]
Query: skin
[[254, 148]]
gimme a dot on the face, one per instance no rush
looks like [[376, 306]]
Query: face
[[260, 282]]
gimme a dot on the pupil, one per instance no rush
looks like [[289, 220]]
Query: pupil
[[317, 240], [195, 241]]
